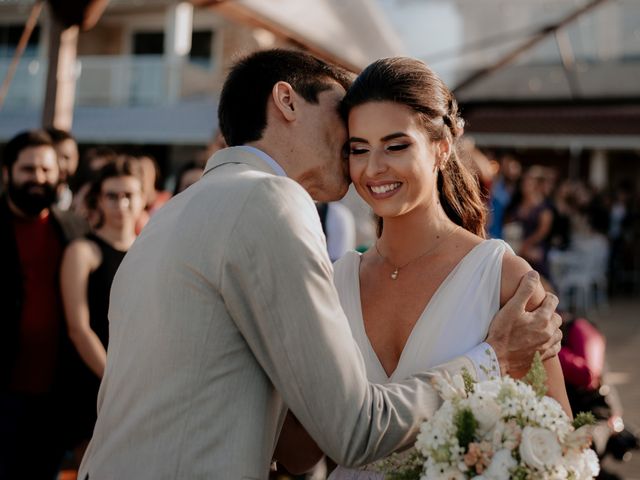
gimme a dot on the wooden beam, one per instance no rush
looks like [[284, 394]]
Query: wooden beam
[[61, 78], [22, 44]]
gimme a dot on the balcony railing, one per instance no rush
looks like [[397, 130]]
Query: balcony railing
[[101, 81]]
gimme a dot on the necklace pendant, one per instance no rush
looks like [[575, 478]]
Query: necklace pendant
[[394, 275]]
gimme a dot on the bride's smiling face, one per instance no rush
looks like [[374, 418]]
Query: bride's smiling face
[[392, 162]]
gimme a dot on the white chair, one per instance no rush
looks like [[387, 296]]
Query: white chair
[[586, 275]]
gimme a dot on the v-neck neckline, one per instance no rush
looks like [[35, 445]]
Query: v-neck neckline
[[420, 319]]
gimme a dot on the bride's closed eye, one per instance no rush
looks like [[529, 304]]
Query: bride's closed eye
[[398, 147], [357, 150]]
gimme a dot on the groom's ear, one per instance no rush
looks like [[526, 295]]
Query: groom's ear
[[284, 98]]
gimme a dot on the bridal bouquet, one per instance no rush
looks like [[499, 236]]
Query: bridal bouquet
[[499, 430]]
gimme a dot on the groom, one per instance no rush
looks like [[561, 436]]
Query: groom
[[223, 313]]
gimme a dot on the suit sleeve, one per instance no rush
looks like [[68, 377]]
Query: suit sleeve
[[277, 284]]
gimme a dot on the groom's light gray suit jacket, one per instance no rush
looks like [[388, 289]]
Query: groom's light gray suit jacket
[[222, 313]]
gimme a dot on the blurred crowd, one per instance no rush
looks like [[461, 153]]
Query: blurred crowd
[[578, 237], [66, 222]]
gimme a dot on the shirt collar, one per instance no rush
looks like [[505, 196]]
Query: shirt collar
[[278, 170]]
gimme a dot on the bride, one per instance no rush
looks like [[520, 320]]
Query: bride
[[429, 287]]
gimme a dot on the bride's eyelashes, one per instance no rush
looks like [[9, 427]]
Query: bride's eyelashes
[[398, 147], [358, 150], [354, 150]]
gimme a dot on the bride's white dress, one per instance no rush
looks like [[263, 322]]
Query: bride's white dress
[[455, 320]]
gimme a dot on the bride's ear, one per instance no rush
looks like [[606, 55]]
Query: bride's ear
[[443, 151], [284, 98]]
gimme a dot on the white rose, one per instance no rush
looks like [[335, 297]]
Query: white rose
[[500, 467], [584, 465], [486, 411], [557, 473], [573, 463], [591, 461], [539, 448]]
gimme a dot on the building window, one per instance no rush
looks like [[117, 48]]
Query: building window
[[10, 36], [148, 43], [201, 47]]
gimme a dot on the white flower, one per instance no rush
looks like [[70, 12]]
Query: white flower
[[512, 397], [583, 465], [490, 388], [500, 467], [579, 439], [443, 471], [591, 463], [449, 388], [539, 448], [558, 472], [485, 410], [506, 435]]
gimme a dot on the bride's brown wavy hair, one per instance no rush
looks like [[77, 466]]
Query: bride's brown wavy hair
[[410, 82]]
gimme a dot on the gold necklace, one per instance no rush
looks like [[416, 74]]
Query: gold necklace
[[396, 268]]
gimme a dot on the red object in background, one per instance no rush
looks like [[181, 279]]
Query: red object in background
[[84, 13], [582, 355]]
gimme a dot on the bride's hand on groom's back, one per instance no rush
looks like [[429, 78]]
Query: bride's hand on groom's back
[[516, 334]]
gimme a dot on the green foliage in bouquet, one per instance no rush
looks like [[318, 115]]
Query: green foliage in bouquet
[[582, 419], [395, 467], [521, 473], [537, 376], [466, 426], [469, 382]]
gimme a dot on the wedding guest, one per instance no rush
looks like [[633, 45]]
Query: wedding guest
[[530, 209], [154, 196], [622, 235], [88, 267], [33, 343], [92, 162], [189, 174], [68, 158], [502, 189]]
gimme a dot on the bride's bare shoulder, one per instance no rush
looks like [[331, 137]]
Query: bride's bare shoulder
[[513, 269]]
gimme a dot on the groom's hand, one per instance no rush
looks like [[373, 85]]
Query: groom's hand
[[515, 334]]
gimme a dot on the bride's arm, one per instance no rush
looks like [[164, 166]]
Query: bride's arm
[[513, 269], [296, 450]]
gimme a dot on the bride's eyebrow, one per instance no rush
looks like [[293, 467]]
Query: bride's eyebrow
[[391, 136], [386, 138]]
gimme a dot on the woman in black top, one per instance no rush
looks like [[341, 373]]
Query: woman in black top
[[89, 265]]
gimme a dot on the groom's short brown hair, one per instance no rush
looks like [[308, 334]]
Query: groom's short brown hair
[[242, 111]]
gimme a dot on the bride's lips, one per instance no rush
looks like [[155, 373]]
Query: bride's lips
[[380, 190]]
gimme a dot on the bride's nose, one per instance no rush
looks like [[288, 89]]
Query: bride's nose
[[377, 163]]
